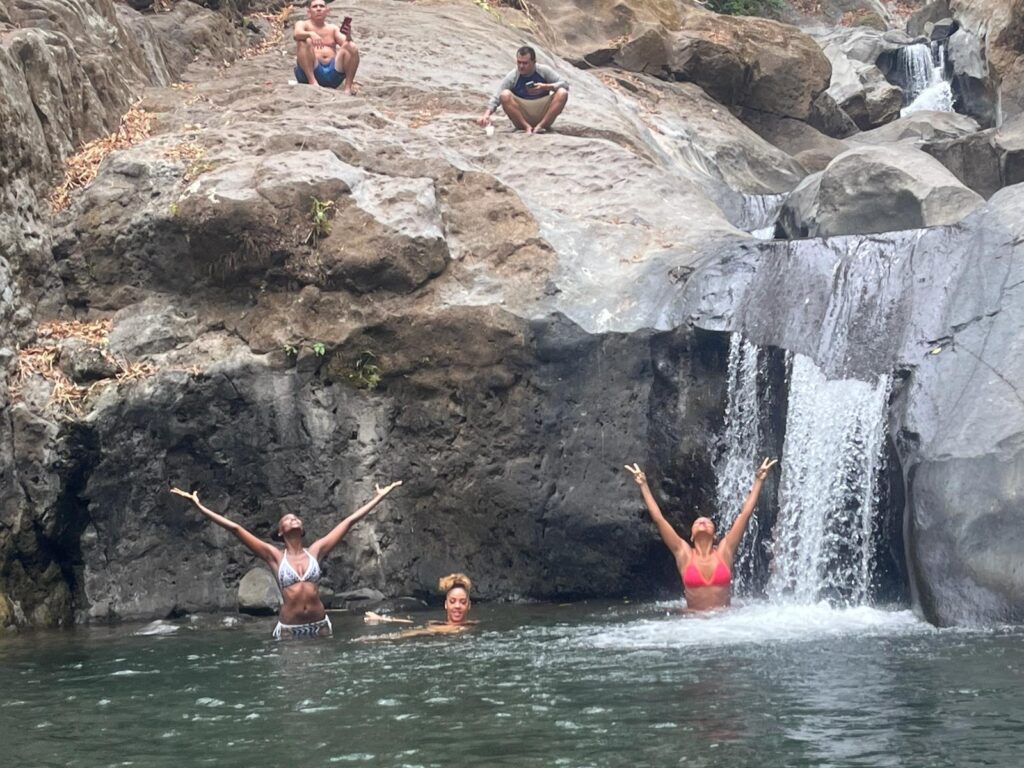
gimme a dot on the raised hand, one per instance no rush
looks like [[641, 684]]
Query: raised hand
[[193, 496], [382, 492], [637, 473], [762, 472]]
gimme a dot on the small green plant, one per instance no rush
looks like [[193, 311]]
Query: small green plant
[[365, 373], [320, 214], [173, 208], [318, 348]]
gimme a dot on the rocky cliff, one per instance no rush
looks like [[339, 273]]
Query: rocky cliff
[[278, 294]]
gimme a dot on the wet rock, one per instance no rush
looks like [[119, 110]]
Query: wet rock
[[876, 189], [258, 593], [986, 161], [942, 29], [158, 628], [975, 89]]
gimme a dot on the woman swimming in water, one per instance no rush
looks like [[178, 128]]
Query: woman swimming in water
[[706, 569], [297, 568], [457, 604]]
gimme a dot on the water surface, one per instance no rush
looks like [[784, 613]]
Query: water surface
[[582, 685]]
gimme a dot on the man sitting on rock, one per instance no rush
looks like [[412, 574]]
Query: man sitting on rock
[[532, 94], [324, 53]]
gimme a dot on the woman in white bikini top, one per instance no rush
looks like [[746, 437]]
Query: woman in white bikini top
[[297, 568]]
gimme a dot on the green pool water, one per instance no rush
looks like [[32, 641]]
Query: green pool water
[[542, 685]]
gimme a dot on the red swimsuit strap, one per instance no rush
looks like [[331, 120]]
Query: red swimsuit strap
[[721, 577]]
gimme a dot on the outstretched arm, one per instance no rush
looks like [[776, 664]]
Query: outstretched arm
[[731, 542], [266, 552], [677, 546], [322, 547]]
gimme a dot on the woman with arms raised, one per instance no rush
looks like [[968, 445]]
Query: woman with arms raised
[[297, 568], [706, 569]]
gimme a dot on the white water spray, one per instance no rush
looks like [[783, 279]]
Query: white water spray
[[741, 437], [922, 69], [832, 460]]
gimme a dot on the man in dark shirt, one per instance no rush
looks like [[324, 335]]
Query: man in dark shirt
[[532, 94]]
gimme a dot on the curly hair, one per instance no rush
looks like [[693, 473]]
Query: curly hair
[[447, 583]]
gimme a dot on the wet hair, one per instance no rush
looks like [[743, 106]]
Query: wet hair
[[447, 583], [527, 51]]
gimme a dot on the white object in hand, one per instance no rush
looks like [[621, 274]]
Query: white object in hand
[[489, 130]]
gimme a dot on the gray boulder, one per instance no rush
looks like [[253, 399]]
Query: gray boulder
[[258, 593], [986, 161], [876, 189], [975, 86], [918, 128], [862, 91], [807, 145]]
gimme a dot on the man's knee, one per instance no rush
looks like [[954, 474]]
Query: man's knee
[[506, 97], [350, 48], [560, 96]]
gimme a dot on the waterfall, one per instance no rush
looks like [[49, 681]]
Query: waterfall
[[758, 213], [832, 460], [741, 437], [922, 72]]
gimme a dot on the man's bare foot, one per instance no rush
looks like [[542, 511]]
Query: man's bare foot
[[539, 130]]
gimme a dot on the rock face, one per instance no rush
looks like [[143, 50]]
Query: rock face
[[844, 198], [308, 292]]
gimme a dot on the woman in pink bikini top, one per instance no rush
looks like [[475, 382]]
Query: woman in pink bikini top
[[706, 569]]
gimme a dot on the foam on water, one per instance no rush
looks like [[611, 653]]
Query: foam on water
[[756, 623]]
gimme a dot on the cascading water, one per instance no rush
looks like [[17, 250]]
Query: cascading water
[[741, 437], [829, 493], [758, 215], [922, 72]]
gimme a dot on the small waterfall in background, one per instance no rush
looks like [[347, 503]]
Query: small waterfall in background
[[922, 71], [758, 215], [829, 488], [741, 437]]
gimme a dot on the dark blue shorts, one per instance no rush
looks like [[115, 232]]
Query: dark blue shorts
[[325, 74]]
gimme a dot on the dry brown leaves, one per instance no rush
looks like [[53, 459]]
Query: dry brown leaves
[[277, 22], [192, 155], [66, 397], [80, 169]]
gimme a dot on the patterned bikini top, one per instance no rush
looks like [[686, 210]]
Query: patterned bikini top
[[287, 575]]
